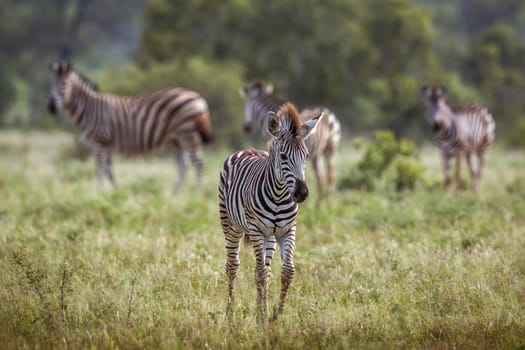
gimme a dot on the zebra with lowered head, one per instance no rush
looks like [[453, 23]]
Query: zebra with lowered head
[[259, 194], [466, 132], [132, 125], [259, 100]]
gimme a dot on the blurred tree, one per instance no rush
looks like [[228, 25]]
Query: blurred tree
[[35, 32]]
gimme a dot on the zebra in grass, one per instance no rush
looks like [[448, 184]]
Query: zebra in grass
[[132, 125], [324, 144], [259, 100], [259, 194], [463, 133]]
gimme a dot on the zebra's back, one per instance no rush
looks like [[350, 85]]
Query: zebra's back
[[476, 128], [328, 134], [143, 123]]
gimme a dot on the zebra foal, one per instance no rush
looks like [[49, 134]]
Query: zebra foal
[[260, 99], [259, 194], [467, 132], [132, 125]]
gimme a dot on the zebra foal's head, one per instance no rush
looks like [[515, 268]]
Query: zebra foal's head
[[254, 89], [60, 71], [435, 98], [288, 150]]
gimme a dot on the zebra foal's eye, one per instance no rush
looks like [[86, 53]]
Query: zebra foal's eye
[[283, 157]]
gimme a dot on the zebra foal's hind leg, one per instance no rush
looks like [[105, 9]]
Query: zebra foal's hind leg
[[196, 160], [180, 155], [475, 173], [318, 171], [232, 241]]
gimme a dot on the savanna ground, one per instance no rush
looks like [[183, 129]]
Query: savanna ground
[[140, 267]]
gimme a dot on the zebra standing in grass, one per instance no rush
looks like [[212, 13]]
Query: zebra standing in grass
[[324, 143], [259, 194], [259, 100], [132, 125], [462, 133]]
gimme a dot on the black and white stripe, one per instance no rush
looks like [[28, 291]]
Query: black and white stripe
[[132, 125], [259, 100], [259, 194], [467, 132]]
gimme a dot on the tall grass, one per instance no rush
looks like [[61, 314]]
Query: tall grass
[[140, 267]]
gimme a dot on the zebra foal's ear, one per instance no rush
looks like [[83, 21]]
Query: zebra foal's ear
[[60, 67], [273, 124], [309, 127], [268, 89]]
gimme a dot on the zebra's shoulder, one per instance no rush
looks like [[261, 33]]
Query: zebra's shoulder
[[478, 111]]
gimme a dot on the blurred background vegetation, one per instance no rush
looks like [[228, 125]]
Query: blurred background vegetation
[[366, 60]]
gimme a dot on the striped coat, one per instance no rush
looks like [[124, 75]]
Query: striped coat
[[132, 125], [259, 194], [259, 100], [465, 133]]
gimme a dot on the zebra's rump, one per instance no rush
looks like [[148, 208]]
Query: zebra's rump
[[148, 121], [328, 132]]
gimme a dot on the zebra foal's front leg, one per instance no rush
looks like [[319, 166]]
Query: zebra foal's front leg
[[261, 274], [287, 244]]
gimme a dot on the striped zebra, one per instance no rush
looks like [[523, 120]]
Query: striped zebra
[[459, 133], [132, 125], [259, 100], [324, 143], [259, 194]]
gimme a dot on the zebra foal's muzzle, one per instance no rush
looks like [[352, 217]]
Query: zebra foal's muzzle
[[301, 191]]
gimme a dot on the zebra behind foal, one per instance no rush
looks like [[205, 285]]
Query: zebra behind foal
[[260, 99], [463, 133], [259, 194], [132, 125]]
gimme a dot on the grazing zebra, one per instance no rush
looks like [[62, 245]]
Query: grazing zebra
[[259, 194], [259, 100], [325, 143], [132, 125], [462, 133]]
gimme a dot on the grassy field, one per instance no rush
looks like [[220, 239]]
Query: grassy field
[[139, 267]]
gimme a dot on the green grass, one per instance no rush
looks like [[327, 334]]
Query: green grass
[[139, 267]]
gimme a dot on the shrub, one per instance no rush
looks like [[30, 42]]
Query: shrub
[[385, 160]]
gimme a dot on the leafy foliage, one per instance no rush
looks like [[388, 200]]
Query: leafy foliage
[[382, 154], [364, 59]]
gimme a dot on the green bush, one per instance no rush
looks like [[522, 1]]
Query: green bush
[[385, 161]]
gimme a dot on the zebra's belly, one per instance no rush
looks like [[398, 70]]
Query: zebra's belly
[[277, 229]]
